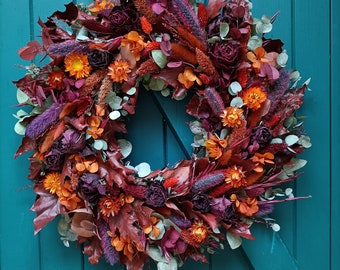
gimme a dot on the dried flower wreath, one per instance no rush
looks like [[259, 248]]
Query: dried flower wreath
[[246, 132]]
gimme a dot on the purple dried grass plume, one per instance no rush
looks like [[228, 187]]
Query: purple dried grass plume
[[43, 121], [110, 253]]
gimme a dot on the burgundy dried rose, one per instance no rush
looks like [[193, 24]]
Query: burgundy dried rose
[[123, 19], [226, 55], [262, 135], [99, 59], [54, 160], [201, 202], [156, 194]]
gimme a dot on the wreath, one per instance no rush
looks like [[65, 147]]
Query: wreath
[[246, 134]]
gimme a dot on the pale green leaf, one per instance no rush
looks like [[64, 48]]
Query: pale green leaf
[[234, 241], [125, 146], [159, 57], [156, 84], [22, 97], [224, 29], [291, 140], [19, 128]]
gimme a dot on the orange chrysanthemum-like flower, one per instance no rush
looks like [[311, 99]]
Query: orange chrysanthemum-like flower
[[232, 117], [253, 97], [199, 231], [188, 78], [77, 65], [55, 79], [119, 70], [235, 176], [100, 5], [52, 182], [247, 207], [215, 146], [109, 206], [135, 43]]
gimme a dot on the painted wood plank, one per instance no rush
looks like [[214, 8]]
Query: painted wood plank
[[335, 134], [18, 246], [312, 36]]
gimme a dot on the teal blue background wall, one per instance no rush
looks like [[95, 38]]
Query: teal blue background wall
[[309, 236]]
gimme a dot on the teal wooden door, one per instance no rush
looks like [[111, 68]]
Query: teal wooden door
[[309, 236]]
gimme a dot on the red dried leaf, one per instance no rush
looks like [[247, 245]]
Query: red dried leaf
[[93, 249], [70, 14], [30, 51], [27, 144], [124, 223], [46, 206], [242, 230]]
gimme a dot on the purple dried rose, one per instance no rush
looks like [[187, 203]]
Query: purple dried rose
[[261, 135], [201, 202], [220, 206], [122, 18], [72, 141], [54, 160], [156, 194], [99, 59], [92, 187]]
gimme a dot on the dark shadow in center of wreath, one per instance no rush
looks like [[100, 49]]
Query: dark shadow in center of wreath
[[159, 130]]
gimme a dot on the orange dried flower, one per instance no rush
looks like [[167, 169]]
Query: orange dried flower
[[55, 79], [68, 198], [188, 78], [235, 176], [77, 65], [52, 182], [253, 97], [199, 231], [119, 70], [152, 229], [123, 244], [247, 207], [261, 159], [100, 5], [135, 43], [232, 117], [109, 206], [215, 146]]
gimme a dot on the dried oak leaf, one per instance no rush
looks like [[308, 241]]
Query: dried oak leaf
[[46, 206]]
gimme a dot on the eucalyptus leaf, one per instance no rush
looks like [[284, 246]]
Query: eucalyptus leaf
[[159, 58], [156, 84], [143, 169], [114, 115], [224, 29], [125, 146], [294, 165], [254, 42], [234, 88], [22, 97], [19, 128], [291, 140], [234, 241], [236, 102]]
